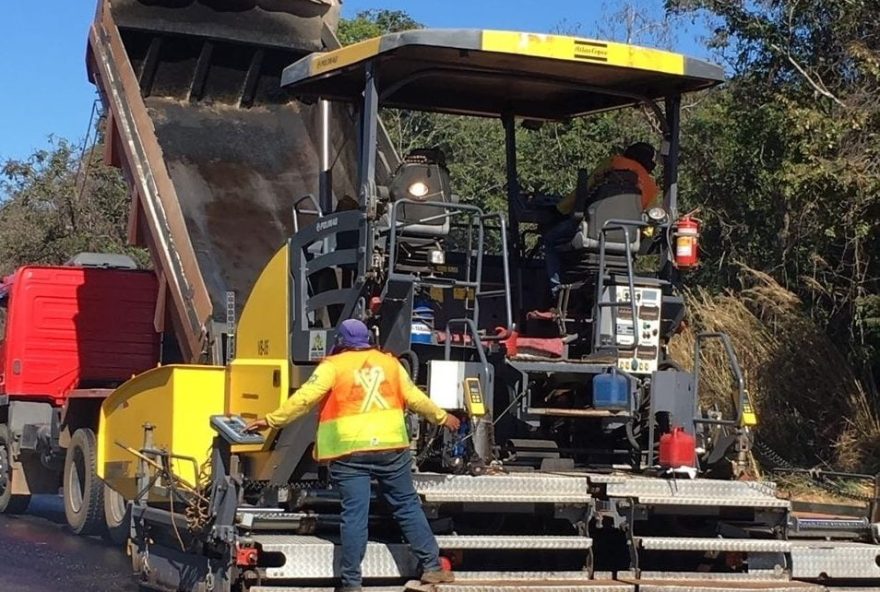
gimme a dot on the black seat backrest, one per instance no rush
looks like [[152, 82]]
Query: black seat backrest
[[620, 206], [413, 214], [617, 197]]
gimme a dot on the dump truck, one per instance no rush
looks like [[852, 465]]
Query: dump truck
[[69, 335], [243, 180], [192, 104]]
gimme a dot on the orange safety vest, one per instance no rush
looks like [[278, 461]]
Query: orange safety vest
[[364, 410], [647, 185]]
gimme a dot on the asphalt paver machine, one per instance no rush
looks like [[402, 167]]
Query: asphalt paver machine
[[555, 481]]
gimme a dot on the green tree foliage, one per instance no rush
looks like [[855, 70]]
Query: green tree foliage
[[373, 23], [59, 202], [548, 157], [786, 160]]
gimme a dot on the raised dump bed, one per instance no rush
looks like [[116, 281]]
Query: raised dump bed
[[216, 154]]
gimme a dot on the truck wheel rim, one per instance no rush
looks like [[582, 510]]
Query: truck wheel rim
[[76, 480], [116, 508]]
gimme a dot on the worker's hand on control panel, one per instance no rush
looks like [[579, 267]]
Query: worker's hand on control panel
[[451, 423], [256, 426]]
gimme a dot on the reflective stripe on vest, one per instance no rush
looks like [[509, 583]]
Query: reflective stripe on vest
[[364, 410]]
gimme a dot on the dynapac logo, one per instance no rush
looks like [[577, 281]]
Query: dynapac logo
[[327, 224], [327, 62]]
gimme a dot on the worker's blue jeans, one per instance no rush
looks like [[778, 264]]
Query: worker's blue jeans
[[562, 231], [351, 475]]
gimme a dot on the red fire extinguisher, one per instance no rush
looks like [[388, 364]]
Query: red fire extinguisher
[[686, 234]]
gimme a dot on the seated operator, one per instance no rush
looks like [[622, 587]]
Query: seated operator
[[630, 171]]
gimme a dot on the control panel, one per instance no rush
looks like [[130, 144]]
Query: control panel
[[458, 386], [473, 397], [231, 427], [620, 324]]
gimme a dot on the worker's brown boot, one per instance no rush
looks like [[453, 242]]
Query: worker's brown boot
[[438, 577]]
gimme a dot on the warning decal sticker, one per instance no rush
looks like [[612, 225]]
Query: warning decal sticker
[[317, 345]]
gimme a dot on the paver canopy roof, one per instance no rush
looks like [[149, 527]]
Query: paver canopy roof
[[489, 73]]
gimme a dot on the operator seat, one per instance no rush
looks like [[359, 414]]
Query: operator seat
[[616, 198], [422, 177]]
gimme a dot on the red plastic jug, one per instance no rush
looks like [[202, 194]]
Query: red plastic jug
[[677, 449]]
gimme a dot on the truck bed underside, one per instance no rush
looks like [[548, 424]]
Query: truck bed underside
[[238, 174], [217, 155]]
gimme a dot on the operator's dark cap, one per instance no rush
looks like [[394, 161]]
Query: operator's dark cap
[[642, 153], [353, 334]]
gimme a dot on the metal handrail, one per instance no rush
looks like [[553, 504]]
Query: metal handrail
[[470, 325], [394, 225], [505, 266], [733, 362], [622, 225], [316, 212], [480, 219]]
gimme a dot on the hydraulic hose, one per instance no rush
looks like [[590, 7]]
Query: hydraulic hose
[[410, 361]]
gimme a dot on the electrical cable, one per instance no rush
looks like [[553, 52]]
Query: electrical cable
[[92, 129], [513, 403], [780, 464], [85, 143], [171, 494], [198, 512]]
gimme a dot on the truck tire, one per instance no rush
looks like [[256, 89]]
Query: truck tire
[[9, 503], [83, 491], [116, 517]]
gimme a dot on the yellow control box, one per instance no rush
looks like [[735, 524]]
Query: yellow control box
[[473, 397]]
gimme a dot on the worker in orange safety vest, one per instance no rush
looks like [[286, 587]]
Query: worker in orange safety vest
[[362, 434], [637, 161]]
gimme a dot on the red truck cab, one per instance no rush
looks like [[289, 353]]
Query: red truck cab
[[68, 336], [75, 328]]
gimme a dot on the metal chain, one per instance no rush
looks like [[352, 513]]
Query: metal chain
[[198, 511], [776, 461], [255, 486]]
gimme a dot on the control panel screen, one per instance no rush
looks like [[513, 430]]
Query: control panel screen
[[231, 427]]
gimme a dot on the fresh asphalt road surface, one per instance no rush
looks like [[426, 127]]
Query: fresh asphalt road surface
[[39, 554]]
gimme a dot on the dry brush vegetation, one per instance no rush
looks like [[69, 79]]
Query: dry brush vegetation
[[812, 408]]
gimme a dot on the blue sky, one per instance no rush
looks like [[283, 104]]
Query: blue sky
[[45, 90]]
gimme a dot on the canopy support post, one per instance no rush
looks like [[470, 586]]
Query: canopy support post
[[368, 136], [513, 194], [670, 168]]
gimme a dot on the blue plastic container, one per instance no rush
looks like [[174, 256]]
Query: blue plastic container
[[422, 325], [610, 391]]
